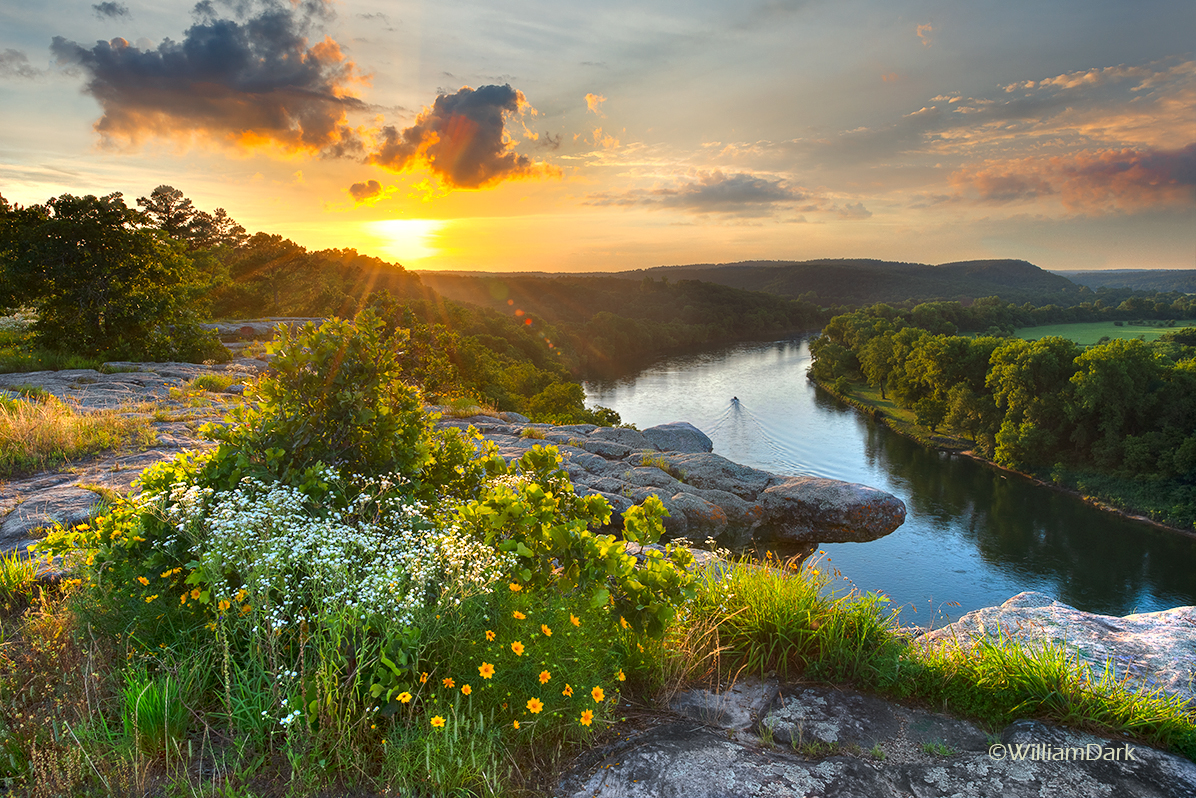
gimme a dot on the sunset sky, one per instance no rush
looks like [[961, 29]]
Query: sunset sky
[[568, 136]]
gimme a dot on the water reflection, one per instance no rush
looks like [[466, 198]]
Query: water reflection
[[973, 535]]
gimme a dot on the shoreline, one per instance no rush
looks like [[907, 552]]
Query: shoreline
[[946, 445]]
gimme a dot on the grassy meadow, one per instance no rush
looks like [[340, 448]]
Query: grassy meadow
[[1090, 333]]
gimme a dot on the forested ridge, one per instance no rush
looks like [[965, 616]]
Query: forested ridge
[[1116, 421]]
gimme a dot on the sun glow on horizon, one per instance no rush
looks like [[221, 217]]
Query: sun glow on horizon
[[407, 240]]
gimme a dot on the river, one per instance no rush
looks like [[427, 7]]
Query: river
[[973, 537]]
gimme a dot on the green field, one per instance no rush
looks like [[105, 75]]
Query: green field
[[1089, 333]]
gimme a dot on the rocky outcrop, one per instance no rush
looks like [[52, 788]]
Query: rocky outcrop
[[707, 495], [1152, 649], [29, 505], [765, 739]]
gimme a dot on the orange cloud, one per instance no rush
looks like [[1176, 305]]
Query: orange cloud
[[249, 83], [462, 139], [594, 102], [1089, 181], [924, 32], [604, 140]]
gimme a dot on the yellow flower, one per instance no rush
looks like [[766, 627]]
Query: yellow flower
[[447, 681], [423, 678], [587, 718], [534, 705], [210, 626], [170, 573], [544, 677], [623, 622], [148, 599], [404, 697], [143, 580], [489, 635], [598, 694], [573, 619], [544, 628], [466, 689], [241, 594], [516, 587], [519, 616], [486, 669], [245, 608], [183, 599], [568, 691], [515, 724], [195, 593], [223, 605], [622, 677], [517, 647], [438, 722]]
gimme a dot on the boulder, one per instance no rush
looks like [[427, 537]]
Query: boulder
[[1152, 649], [679, 436], [826, 510]]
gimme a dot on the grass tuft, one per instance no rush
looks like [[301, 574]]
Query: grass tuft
[[39, 435]]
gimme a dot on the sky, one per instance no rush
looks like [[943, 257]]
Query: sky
[[568, 136]]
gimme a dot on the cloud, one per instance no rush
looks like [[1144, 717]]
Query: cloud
[[854, 211], [365, 192], [461, 139], [924, 32], [548, 141], [594, 103], [1089, 181], [711, 192], [378, 17], [110, 10], [248, 83], [15, 64]]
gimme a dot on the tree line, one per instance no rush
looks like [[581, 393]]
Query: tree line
[[1116, 419]]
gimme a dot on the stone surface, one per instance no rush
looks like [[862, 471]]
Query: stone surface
[[679, 436], [830, 511], [1152, 649], [707, 495], [861, 746], [30, 504]]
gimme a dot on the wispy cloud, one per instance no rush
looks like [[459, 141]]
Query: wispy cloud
[[594, 104], [710, 192], [15, 64], [110, 10]]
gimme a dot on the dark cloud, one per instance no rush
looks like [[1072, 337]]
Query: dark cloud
[[110, 10], [15, 64], [371, 189], [249, 82], [714, 192], [460, 138]]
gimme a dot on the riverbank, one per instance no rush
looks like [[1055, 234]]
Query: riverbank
[[867, 400]]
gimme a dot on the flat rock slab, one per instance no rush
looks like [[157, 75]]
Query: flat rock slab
[[740, 706], [1152, 649], [912, 753], [64, 504]]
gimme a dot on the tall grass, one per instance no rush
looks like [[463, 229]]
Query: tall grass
[[784, 621], [36, 435]]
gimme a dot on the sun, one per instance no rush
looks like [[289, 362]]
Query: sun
[[407, 240]]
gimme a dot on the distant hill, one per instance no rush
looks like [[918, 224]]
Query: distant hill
[[864, 281], [1138, 279]]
